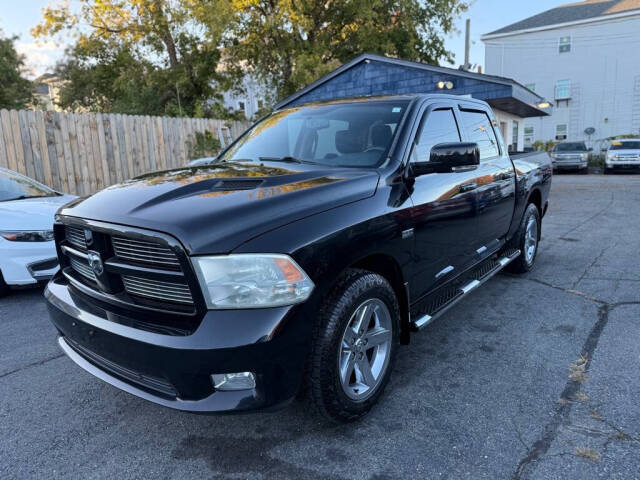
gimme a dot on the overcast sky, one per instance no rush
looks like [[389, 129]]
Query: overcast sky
[[17, 18]]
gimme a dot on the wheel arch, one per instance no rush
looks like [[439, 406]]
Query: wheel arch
[[535, 197], [388, 267]]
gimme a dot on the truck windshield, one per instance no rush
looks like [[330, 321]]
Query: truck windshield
[[625, 145], [571, 147], [349, 134]]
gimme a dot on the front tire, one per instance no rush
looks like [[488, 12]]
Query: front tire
[[526, 240], [355, 346]]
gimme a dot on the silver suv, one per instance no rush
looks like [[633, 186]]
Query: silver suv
[[623, 154], [570, 156]]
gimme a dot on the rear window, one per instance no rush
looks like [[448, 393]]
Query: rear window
[[571, 147], [633, 145], [479, 130]]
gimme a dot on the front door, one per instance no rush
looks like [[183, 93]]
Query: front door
[[444, 207]]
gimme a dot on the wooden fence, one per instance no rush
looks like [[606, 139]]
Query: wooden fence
[[83, 153]]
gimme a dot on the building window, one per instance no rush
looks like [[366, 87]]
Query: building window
[[563, 90], [241, 106], [565, 45], [531, 86], [528, 137], [561, 131]]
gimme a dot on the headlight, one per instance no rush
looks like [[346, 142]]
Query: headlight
[[251, 281], [28, 236]]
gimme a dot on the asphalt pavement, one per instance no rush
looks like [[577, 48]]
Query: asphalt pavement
[[534, 377]]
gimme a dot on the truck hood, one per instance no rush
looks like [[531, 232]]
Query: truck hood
[[215, 208], [31, 213]]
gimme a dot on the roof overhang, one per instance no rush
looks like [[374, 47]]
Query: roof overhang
[[514, 97], [602, 18]]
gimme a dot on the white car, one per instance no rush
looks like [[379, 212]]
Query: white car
[[623, 154], [27, 250]]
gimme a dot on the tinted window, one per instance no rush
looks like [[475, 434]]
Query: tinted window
[[625, 145], [571, 147], [479, 130], [349, 134], [14, 186], [438, 127]]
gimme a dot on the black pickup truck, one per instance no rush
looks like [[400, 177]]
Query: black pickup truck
[[300, 259]]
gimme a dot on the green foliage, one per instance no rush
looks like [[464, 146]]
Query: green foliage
[[290, 44], [205, 145], [105, 76], [544, 146], [138, 57], [165, 56], [16, 92]]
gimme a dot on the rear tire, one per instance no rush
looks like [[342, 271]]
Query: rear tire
[[4, 288], [526, 240], [355, 345], [607, 171]]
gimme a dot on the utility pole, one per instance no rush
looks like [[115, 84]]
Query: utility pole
[[467, 45]]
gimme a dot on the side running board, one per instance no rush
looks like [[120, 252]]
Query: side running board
[[450, 296]]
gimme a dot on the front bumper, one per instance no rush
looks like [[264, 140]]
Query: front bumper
[[622, 165], [175, 370], [570, 165], [25, 263]]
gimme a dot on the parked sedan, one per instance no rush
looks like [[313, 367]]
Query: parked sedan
[[623, 154], [27, 249], [570, 156]]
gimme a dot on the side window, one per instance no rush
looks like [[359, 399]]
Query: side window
[[479, 130], [438, 127]]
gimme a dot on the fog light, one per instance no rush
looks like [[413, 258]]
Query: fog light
[[234, 381]]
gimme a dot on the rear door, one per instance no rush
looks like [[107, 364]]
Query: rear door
[[495, 179], [443, 212]]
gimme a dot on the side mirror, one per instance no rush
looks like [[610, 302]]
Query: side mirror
[[590, 149], [449, 157]]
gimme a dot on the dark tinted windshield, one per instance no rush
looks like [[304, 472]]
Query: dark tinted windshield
[[355, 134], [14, 186], [571, 147], [632, 145]]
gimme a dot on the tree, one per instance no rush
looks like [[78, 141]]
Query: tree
[[176, 56], [139, 56], [15, 91], [289, 44]]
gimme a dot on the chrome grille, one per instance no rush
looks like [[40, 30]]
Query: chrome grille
[[75, 236], [147, 253], [157, 290], [82, 267]]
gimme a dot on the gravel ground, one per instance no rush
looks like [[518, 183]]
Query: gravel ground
[[532, 377]]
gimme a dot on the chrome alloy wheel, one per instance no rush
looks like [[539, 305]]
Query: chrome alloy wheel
[[365, 349], [530, 239]]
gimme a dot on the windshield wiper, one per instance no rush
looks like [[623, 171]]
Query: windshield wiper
[[21, 197], [287, 159]]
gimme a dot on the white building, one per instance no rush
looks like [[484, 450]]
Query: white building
[[584, 58], [254, 97]]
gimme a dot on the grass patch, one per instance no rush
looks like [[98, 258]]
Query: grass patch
[[578, 369], [588, 454], [581, 397]]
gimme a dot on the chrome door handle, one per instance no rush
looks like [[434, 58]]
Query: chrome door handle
[[467, 187]]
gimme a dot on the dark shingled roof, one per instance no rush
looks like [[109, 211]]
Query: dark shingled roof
[[571, 12]]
